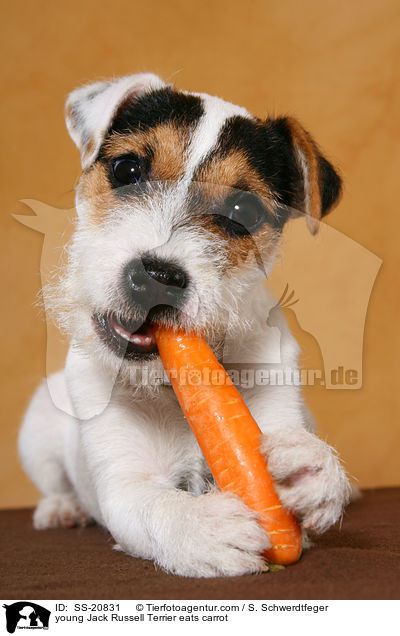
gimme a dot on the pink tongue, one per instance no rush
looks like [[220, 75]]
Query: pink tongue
[[143, 339]]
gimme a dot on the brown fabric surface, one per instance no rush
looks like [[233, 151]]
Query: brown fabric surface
[[359, 561]]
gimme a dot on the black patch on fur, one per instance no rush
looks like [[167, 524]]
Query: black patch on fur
[[330, 185], [267, 146], [155, 108], [269, 149], [152, 109]]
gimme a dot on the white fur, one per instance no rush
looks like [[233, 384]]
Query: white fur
[[128, 458], [216, 112]]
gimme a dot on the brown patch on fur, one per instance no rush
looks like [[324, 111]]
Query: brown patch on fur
[[166, 146], [238, 250], [233, 171], [166, 143], [121, 144], [250, 248], [219, 176], [90, 146], [307, 154], [94, 187]]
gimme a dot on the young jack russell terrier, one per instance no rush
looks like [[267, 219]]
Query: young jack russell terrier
[[181, 206]]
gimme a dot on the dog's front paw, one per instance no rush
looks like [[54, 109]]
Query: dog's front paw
[[221, 538], [59, 511], [310, 479]]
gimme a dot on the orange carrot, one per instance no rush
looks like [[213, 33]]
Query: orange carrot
[[227, 435]]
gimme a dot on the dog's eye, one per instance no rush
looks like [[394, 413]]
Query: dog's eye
[[242, 214], [248, 211], [127, 170]]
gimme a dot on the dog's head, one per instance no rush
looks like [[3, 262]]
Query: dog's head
[[181, 205]]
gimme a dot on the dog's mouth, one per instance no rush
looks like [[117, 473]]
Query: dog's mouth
[[128, 338]]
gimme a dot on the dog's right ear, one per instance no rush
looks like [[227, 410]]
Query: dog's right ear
[[89, 110], [317, 188]]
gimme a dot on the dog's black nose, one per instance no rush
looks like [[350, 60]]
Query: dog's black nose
[[164, 272], [149, 281]]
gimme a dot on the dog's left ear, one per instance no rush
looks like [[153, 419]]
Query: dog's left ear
[[89, 110], [319, 186]]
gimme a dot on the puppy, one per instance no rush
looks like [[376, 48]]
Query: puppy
[[181, 206]]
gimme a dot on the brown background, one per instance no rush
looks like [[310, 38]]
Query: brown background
[[335, 65]]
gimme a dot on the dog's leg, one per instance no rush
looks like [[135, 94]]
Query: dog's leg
[[213, 534], [310, 478], [136, 461], [134, 455], [41, 448], [59, 511]]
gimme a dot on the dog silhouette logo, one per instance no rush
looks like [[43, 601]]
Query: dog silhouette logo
[[26, 615]]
